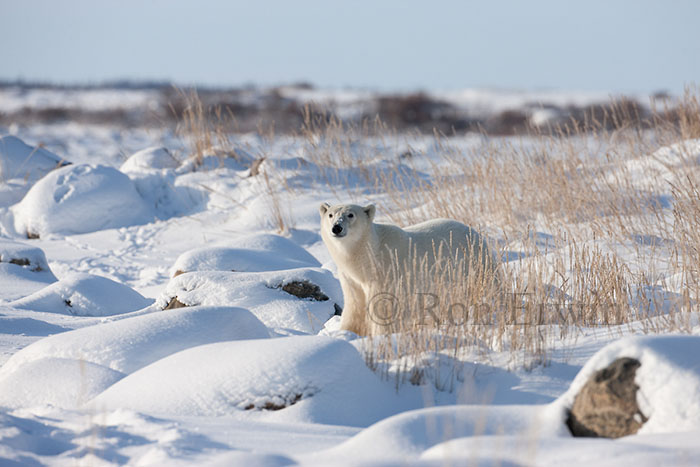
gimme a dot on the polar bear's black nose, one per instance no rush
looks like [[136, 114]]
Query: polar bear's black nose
[[337, 229]]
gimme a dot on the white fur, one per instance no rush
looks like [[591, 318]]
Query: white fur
[[367, 253]]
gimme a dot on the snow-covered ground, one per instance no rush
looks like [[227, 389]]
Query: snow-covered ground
[[98, 368]]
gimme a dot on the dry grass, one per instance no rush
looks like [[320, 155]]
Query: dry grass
[[205, 129], [594, 228]]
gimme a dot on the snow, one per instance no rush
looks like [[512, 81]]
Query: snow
[[83, 295], [59, 382], [262, 294], [156, 157], [78, 199], [19, 160], [130, 343], [95, 371], [254, 253], [305, 374], [668, 379], [21, 165], [664, 168], [16, 98], [23, 270]]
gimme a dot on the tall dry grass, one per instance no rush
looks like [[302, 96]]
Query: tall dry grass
[[593, 228], [206, 130]]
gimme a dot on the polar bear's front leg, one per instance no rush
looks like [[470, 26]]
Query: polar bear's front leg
[[354, 317]]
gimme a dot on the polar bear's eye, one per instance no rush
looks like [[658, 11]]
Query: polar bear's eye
[[351, 215], [330, 215]]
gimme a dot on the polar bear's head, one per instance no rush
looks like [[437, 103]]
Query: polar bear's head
[[348, 222]]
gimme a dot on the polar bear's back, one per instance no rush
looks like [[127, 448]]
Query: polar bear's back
[[449, 237], [436, 226], [447, 230], [427, 238]]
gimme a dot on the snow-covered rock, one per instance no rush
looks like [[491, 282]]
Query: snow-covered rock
[[78, 199], [18, 160], [668, 380], [20, 166], [130, 343], [66, 383], [23, 255], [155, 157], [253, 253], [299, 378], [23, 270], [83, 294], [261, 293]]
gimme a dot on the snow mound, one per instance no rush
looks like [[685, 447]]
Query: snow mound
[[23, 255], [19, 160], [83, 294], [129, 343], [668, 164], [163, 191], [668, 380], [155, 157], [684, 153], [65, 383], [23, 270], [274, 243], [408, 434], [79, 199], [236, 159], [300, 378], [245, 259], [512, 451], [262, 293], [271, 242]]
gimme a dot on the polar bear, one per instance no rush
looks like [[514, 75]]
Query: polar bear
[[375, 260]]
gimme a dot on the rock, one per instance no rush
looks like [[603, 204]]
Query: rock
[[305, 289], [173, 304], [275, 405], [607, 405]]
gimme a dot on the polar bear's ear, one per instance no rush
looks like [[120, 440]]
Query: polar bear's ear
[[370, 210], [323, 209]]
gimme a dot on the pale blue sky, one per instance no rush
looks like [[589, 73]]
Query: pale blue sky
[[607, 45]]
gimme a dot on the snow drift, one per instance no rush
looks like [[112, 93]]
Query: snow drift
[[301, 378], [19, 160], [155, 157], [23, 269], [253, 253], [262, 293], [59, 382], [20, 166], [78, 199], [129, 343], [82, 294]]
